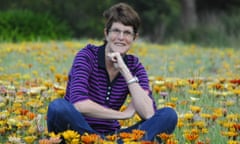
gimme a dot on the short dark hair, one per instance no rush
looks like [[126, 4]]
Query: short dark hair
[[124, 14]]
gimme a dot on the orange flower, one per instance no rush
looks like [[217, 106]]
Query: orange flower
[[30, 66], [235, 81], [218, 86], [199, 142], [137, 134], [31, 115], [125, 135], [164, 136], [148, 142], [23, 111], [44, 141], [112, 137], [237, 126], [50, 141], [170, 104], [2, 130], [89, 139], [191, 135], [170, 141]]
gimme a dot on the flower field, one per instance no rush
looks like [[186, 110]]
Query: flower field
[[202, 84]]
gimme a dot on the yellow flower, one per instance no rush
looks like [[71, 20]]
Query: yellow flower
[[195, 109], [42, 110], [170, 104], [195, 92], [229, 133], [52, 69], [53, 135], [188, 116], [233, 142], [2, 104], [14, 140], [71, 136], [180, 123], [30, 139], [204, 130], [218, 112], [112, 137], [174, 99], [181, 83], [236, 91], [32, 129], [4, 115], [228, 124], [233, 117], [200, 124], [11, 122]]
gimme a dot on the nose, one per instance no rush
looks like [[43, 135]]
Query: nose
[[121, 35]]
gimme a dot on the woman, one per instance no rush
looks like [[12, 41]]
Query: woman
[[100, 80]]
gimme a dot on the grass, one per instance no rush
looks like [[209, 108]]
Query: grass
[[202, 84]]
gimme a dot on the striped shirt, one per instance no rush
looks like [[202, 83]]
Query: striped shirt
[[88, 79]]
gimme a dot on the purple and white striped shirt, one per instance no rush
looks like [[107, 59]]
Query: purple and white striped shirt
[[88, 79]]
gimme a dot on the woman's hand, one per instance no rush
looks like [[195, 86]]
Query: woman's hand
[[117, 60]]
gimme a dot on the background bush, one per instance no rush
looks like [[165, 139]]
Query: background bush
[[18, 25], [216, 24], [213, 29]]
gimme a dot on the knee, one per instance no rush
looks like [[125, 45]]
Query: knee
[[57, 106], [168, 113]]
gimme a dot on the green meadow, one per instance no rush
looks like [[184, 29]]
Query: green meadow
[[201, 83]]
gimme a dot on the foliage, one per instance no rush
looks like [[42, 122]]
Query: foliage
[[161, 20], [219, 30], [20, 25], [84, 17], [158, 17], [231, 23]]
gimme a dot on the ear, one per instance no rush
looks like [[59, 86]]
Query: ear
[[105, 35], [136, 36], [105, 32]]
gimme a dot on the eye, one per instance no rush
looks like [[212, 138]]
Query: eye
[[117, 31], [127, 33]]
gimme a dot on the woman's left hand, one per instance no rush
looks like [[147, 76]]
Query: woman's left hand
[[117, 60]]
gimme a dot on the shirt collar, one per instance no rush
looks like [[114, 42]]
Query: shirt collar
[[101, 57]]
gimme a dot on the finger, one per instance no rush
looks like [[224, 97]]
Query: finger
[[112, 57]]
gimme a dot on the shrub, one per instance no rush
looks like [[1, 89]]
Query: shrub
[[25, 25], [213, 30]]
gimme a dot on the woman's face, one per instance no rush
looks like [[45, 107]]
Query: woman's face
[[119, 38]]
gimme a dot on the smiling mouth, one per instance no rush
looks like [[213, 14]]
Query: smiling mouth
[[119, 44]]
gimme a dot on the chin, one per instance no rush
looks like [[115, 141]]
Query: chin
[[122, 54]]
